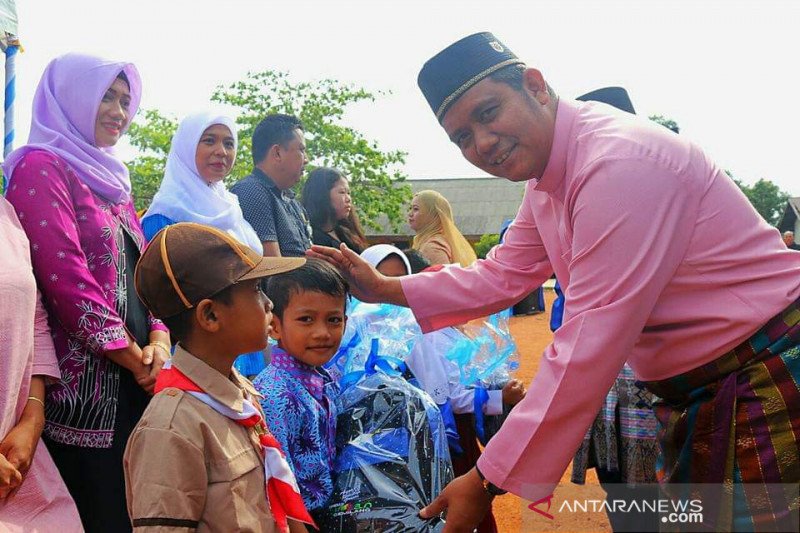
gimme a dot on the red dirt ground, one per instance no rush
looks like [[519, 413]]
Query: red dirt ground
[[532, 334]]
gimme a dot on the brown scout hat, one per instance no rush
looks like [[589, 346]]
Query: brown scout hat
[[188, 262]]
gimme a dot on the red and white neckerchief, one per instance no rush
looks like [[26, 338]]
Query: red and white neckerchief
[[283, 494]]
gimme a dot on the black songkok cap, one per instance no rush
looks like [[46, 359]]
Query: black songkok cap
[[613, 96], [451, 72]]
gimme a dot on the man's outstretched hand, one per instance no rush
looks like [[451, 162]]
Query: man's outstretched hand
[[366, 283], [466, 503]]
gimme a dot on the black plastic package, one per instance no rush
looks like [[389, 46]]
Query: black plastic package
[[392, 458]]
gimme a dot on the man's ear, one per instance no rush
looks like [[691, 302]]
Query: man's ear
[[534, 84], [205, 313], [275, 152]]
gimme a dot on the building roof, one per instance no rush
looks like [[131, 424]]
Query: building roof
[[480, 205], [790, 214]]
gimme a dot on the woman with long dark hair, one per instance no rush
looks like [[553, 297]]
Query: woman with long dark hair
[[326, 198]]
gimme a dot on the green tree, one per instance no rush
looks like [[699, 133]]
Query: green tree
[[666, 122], [376, 178], [486, 243], [768, 199], [151, 133]]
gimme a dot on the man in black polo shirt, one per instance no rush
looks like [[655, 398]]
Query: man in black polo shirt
[[266, 196]]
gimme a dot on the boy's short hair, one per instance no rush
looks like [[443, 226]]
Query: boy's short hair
[[417, 261], [315, 276]]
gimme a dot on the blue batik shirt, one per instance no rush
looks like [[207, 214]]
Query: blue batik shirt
[[299, 404]]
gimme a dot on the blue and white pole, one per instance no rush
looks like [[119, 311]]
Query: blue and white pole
[[10, 96]]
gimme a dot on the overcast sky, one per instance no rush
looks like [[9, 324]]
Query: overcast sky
[[725, 71]]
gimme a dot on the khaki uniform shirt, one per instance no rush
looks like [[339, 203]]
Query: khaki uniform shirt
[[188, 467]]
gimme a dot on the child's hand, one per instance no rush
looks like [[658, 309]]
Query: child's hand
[[513, 392]]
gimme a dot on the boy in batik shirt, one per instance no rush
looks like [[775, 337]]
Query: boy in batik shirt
[[298, 394]]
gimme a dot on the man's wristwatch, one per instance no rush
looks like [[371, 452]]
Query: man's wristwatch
[[490, 488]]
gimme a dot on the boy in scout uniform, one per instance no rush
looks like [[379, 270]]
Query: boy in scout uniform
[[197, 458]]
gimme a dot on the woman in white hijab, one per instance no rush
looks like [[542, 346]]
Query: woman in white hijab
[[201, 157]]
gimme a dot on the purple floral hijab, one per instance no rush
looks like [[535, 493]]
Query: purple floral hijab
[[64, 112]]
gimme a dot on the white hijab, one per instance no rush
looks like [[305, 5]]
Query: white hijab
[[378, 252], [184, 196]]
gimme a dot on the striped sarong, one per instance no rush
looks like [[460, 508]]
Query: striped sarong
[[735, 423], [623, 436]]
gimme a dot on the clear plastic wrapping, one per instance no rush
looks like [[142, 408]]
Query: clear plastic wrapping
[[486, 352], [394, 327], [392, 458]]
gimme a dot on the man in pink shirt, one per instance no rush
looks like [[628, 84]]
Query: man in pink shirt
[[664, 264]]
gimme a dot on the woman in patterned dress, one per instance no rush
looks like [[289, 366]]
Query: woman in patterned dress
[[73, 198]]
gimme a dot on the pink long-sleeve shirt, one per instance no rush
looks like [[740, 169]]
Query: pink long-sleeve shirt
[[663, 262]]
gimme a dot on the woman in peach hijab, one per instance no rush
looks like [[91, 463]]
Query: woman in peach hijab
[[437, 237]]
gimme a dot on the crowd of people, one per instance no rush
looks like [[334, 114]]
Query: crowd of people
[[89, 341], [128, 343]]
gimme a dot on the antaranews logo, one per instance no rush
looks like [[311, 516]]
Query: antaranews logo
[[546, 512], [679, 511]]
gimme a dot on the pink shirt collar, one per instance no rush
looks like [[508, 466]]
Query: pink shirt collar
[[556, 167]]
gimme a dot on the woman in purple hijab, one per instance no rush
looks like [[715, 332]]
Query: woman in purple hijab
[[73, 199]]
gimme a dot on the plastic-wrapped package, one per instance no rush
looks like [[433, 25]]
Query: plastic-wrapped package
[[392, 458], [398, 338], [485, 353], [395, 327], [487, 426]]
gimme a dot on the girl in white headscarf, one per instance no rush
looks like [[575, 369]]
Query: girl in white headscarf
[[439, 376], [201, 157]]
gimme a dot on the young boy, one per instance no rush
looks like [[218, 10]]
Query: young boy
[[298, 394], [196, 459]]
